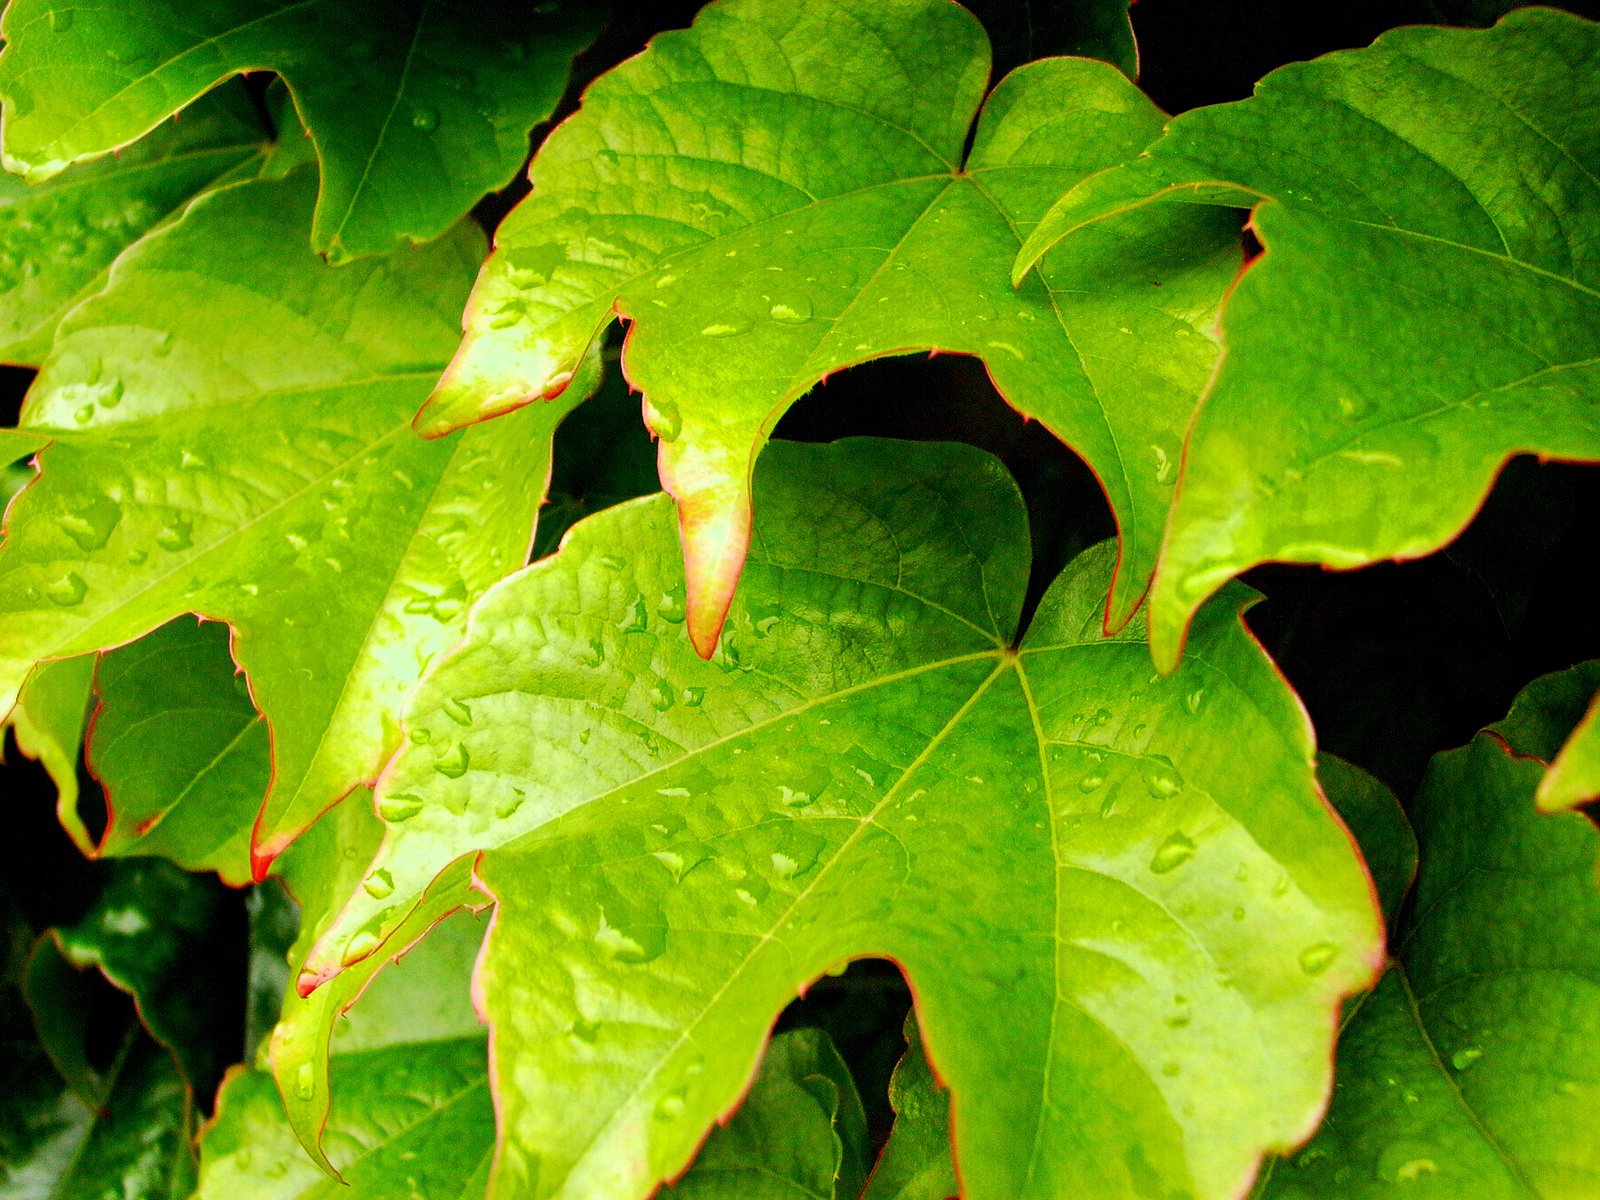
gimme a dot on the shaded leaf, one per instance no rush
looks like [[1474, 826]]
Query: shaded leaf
[[417, 108], [780, 192], [869, 768], [1378, 823], [1429, 295], [228, 428], [182, 752], [1023, 30], [1574, 776], [798, 1135], [57, 239], [916, 1164], [1472, 1069]]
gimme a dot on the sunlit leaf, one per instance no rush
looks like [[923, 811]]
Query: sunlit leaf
[[866, 768], [783, 191], [1427, 306]]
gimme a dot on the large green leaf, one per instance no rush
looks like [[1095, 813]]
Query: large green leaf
[[228, 428], [780, 192], [57, 239], [1428, 304], [417, 108], [1141, 870], [180, 749], [1474, 1067], [916, 1163]]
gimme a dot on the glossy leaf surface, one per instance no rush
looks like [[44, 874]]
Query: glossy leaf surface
[[1429, 295], [781, 192], [228, 429], [417, 108], [57, 239], [1471, 1069], [868, 768]]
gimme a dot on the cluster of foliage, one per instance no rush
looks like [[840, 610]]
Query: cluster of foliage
[[497, 804]]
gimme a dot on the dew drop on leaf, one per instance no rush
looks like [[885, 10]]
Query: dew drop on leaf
[[457, 711], [670, 1107], [1161, 778], [177, 534], [454, 766], [1314, 959], [663, 418], [359, 946], [1463, 1059], [90, 527], [379, 884], [305, 1081], [68, 590], [586, 1032], [726, 329], [796, 311], [399, 807], [1176, 850], [1406, 1162], [425, 117]]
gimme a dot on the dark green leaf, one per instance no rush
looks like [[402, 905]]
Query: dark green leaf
[[916, 1164]]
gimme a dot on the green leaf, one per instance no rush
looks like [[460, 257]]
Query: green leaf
[[1378, 823], [800, 1134], [412, 1115], [1140, 870], [57, 239], [148, 934], [229, 435], [181, 751], [1472, 1069], [320, 870], [136, 1144], [916, 1163], [1574, 776], [50, 718], [417, 108], [780, 192], [1429, 295]]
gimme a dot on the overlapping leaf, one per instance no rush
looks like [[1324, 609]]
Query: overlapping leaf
[[915, 1164], [417, 108], [781, 192], [1471, 1069], [1140, 869], [1427, 306], [1574, 775], [57, 239], [226, 431]]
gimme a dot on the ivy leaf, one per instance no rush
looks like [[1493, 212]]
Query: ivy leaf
[[869, 767], [799, 1135], [1429, 295], [57, 239], [181, 751], [417, 108], [410, 1077], [228, 428], [1471, 1069], [780, 192], [1574, 776], [916, 1163]]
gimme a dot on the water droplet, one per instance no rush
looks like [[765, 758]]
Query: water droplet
[[457, 711], [84, 415], [379, 884], [176, 534], [425, 117], [594, 655], [796, 311], [726, 329], [1172, 853], [670, 1107], [1091, 782], [1108, 806], [60, 20], [1406, 1162], [585, 1031], [188, 460], [1172, 1070], [613, 562], [1195, 701], [1353, 408], [68, 590], [421, 736], [305, 1081], [793, 799], [138, 557], [694, 697], [797, 851], [1463, 1058], [1238, 914], [454, 766], [361, 945], [555, 385], [1164, 453], [90, 527], [636, 619], [663, 418], [1161, 778], [671, 606], [1314, 960], [399, 807], [662, 696]]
